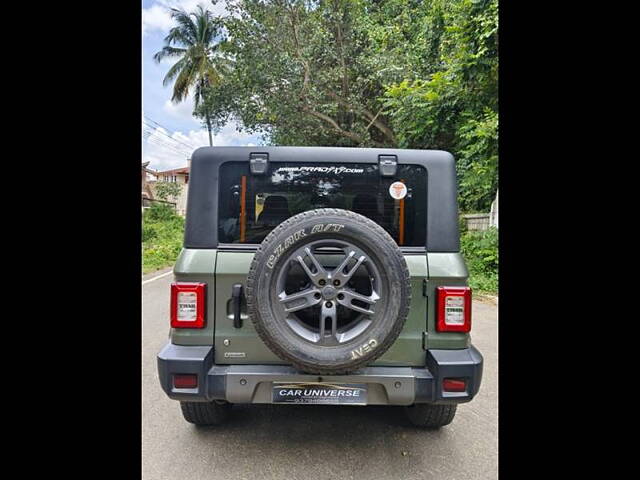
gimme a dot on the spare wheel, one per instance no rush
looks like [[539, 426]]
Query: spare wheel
[[328, 290]]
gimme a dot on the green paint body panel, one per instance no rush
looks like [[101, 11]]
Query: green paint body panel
[[445, 269], [196, 266], [221, 269]]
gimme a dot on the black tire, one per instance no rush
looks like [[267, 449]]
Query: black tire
[[428, 415], [204, 413], [390, 314]]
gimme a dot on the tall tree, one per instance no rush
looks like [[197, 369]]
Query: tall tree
[[193, 42], [302, 73], [390, 73]]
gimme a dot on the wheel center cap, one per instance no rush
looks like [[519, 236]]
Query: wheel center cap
[[329, 292]]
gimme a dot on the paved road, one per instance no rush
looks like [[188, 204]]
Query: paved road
[[314, 442]]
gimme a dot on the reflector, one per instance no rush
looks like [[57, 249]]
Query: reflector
[[454, 385], [183, 380]]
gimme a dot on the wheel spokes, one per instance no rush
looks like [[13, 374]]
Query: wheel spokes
[[346, 297], [328, 314], [320, 274], [311, 296], [338, 273], [326, 287]]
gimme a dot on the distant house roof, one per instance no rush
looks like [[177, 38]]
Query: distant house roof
[[174, 171]]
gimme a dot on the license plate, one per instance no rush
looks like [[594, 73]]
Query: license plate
[[320, 393]]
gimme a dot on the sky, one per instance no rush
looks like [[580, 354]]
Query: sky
[[172, 132]]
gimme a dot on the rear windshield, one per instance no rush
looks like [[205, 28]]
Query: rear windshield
[[250, 206]]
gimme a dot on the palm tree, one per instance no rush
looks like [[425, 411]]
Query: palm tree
[[192, 41]]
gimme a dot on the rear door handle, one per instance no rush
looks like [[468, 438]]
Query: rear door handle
[[236, 297]]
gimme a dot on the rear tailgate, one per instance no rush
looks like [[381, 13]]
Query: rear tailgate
[[244, 346]]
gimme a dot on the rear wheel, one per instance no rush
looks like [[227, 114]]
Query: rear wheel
[[427, 415], [203, 413]]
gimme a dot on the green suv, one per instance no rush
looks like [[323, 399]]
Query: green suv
[[317, 275]]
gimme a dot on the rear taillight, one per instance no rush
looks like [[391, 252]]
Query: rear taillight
[[188, 302], [185, 380], [454, 309], [454, 385]]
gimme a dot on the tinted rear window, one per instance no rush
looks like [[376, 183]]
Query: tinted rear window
[[252, 205]]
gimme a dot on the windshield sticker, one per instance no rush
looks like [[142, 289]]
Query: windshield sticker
[[332, 169], [398, 190]]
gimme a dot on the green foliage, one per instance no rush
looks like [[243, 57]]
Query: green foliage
[[455, 108], [168, 190], [387, 73], [478, 162], [480, 250], [303, 73], [162, 236]]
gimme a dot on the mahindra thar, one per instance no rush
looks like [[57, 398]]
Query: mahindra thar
[[321, 275]]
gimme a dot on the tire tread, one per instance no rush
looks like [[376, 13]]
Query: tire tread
[[205, 413], [430, 415]]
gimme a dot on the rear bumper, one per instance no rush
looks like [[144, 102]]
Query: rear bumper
[[252, 383]]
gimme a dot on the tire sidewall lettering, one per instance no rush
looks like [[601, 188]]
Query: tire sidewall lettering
[[296, 236]]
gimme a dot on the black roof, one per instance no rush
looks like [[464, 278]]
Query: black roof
[[442, 210]]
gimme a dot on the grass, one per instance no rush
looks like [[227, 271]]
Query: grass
[[162, 235]]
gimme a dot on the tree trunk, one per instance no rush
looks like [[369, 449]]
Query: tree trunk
[[209, 129]]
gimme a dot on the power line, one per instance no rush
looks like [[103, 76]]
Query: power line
[[167, 148], [169, 139], [148, 132], [169, 130], [155, 129], [156, 141]]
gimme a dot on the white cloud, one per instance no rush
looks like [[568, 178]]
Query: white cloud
[[182, 111], [163, 153], [229, 135], [158, 16]]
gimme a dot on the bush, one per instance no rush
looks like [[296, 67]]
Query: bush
[[162, 235], [480, 250], [159, 212], [148, 232]]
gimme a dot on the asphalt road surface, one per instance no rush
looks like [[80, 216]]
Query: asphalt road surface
[[319, 441]]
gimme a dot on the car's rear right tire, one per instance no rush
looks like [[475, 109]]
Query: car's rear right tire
[[428, 415], [204, 413]]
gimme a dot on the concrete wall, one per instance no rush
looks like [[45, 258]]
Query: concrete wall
[[482, 221], [493, 215], [476, 221]]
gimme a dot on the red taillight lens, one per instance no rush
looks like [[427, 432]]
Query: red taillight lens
[[185, 381], [454, 385], [188, 302], [454, 309]]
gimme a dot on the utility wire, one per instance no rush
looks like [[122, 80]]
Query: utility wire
[[176, 144], [160, 143], [170, 149], [175, 140], [150, 131], [169, 130]]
